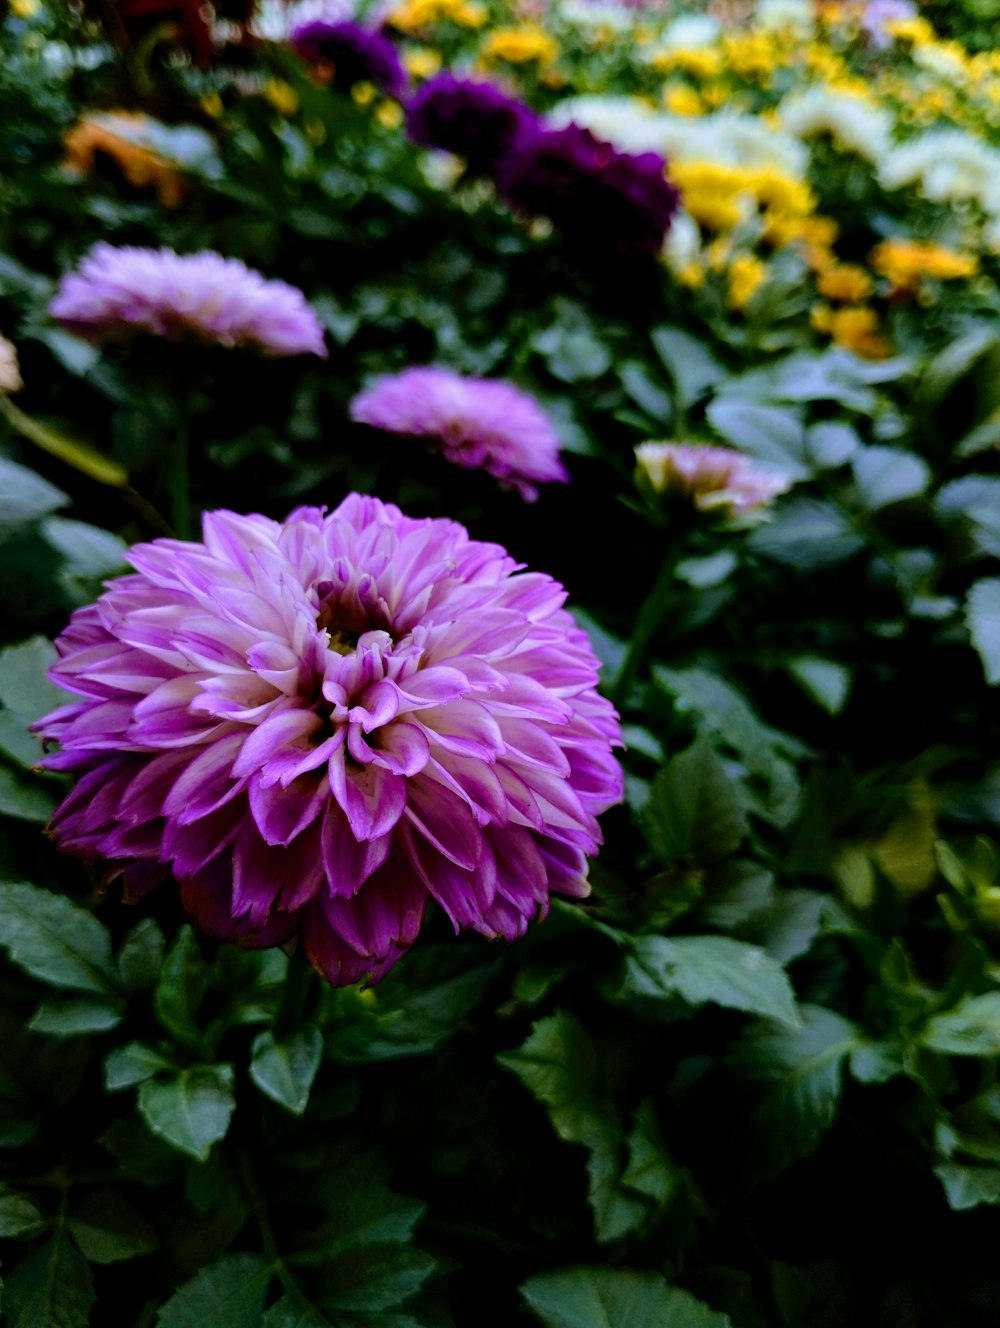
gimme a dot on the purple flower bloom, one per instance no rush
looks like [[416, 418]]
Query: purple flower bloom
[[713, 478], [473, 119], [357, 54], [877, 13], [478, 423], [318, 726], [203, 295], [588, 189]]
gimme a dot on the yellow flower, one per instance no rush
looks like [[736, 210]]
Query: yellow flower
[[212, 104], [906, 262], [413, 15], [520, 45], [701, 62], [719, 252], [24, 8], [780, 193], [315, 131], [282, 97], [363, 94], [682, 100], [389, 114], [814, 235], [917, 31], [716, 94], [692, 275], [845, 283], [855, 328], [421, 62], [746, 275], [751, 54]]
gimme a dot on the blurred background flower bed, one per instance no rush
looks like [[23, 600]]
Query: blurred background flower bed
[[362, 1021]]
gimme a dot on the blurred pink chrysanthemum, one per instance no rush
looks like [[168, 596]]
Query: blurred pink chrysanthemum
[[203, 295], [714, 478], [479, 423], [318, 726]]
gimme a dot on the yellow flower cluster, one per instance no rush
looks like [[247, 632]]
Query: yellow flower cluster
[[720, 196], [844, 283], [746, 275], [699, 61], [905, 263], [413, 15], [520, 45], [854, 327]]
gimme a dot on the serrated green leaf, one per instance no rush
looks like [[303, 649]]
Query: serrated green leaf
[[969, 1187], [615, 1298], [972, 1028], [285, 1070], [376, 1277], [108, 1229], [192, 1109], [130, 1065], [228, 1294], [694, 808], [19, 1218], [370, 1215], [75, 1016], [53, 1288], [807, 534], [982, 617], [141, 956], [650, 1171], [24, 688], [181, 987], [772, 434], [288, 1313], [24, 495], [709, 969], [55, 940], [689, 362]]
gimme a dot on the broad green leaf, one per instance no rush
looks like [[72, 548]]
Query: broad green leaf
[[191, 1110], [285, 1070], [367, 1216], [799, 1073], [141, 956], [75, 1016], [807, 534], [24, 688], [55, 940], [972, 1028], [615, 1298], [130, 1065], [25, 797], [694, 808], [703, 573], [288, 1313], [771, 434], [887, 475], [982, 617], [24, 496], [689, 362], [558, 1066], [53, 1288], [181, 987], [92, 554], [968, 1187], [108, 1229], [830, 443], [647, 394], [650, 1170], [823, 681], [954, 360], [227, 1294], [376, 1277], [19, 1218], [709, 970]]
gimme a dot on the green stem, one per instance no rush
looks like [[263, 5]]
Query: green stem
[[647, 623], [179, 479]]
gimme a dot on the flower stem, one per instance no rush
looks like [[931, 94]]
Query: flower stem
[[647, 623]]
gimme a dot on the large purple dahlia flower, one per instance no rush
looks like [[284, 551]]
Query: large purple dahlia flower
[[318, 726], [473, 119], [203, 295], [588, 189], [357, 54], [479, 423]]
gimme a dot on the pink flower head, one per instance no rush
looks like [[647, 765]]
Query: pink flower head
[[318, 726], [478, 423], [214, 299], [714, 478]]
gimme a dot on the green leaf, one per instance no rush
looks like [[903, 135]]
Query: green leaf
[[886, 475], [25, 496], [228, 1294], [968, 1187], [771, 434], [55, 940], [830, 443], [371, 1215], [53, 1288], [710, 969], [982, 617], [823, 681], [558, 1066], [24, 688], [25, 797], [376, 1277], [285, 1070], [75, 1016], [800, 1075], [615, 1298], [130, 1065], [19, 1218], [288, 1313], [108, 1229], [807, 534], [694, 808], [972, 1028], [141, 956], [181, 987], [191, 1110], [650, 1170], [693, 369]]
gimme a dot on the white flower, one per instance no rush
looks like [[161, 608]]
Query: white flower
[[854, 124], [797, 14], [690, 32], [682, 247], [949, 166], [626, 122]]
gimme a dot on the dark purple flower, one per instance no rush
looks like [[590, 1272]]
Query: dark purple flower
[[214, 299], [479, 423], [588, 189], [473, 119], [357, 54], [318, 726]]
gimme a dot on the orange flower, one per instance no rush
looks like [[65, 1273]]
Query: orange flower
[[845, 283], [141, 166], [907, 262]]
